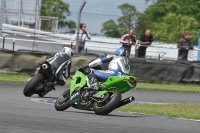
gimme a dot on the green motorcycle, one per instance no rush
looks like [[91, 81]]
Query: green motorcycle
[[104, 101]]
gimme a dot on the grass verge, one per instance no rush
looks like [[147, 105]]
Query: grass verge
[[169, 87], [21, 78], [190, 111], [140, 86]]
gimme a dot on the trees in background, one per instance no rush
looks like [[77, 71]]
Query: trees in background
[[116, 28], [60, 9], [168, 20]]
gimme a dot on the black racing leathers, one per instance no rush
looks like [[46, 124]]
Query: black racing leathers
[[61, 64]]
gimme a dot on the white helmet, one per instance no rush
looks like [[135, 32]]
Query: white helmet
[[68, 51]]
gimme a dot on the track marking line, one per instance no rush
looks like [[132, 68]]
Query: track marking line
[[51, 101], [45, 101], [160, 116]]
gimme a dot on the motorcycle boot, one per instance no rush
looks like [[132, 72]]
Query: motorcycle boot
[[92, 83]]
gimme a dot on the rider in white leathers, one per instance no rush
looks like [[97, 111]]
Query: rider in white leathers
[[118, 65]]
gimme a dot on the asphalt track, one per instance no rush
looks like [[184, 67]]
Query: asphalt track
[[19, 114]]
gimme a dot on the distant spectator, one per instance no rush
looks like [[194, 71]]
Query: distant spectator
[[128, 40], [82, 37], [145, 40], [184, 45]]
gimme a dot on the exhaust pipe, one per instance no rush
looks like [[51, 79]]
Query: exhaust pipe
[[126, 101]]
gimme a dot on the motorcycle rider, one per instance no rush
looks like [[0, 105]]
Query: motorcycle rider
[[61, 64], [118, 65]]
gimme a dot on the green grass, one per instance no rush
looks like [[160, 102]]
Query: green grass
[[169, 87], [22, 78], [190, 111], [140, 86]]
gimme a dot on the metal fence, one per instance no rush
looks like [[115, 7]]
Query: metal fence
[[22, 30], [105, 46], [17, 43], [30, 19]]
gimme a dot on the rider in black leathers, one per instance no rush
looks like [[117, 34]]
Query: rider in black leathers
[[61, 64]]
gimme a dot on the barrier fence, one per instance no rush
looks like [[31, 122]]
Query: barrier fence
[[144, 70], [156, 50], [24, 29]]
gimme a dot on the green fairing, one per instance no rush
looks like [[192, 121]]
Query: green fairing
[[122, 83], [78, 76]]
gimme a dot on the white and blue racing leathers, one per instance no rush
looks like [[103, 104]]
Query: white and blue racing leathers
[[118, 65]]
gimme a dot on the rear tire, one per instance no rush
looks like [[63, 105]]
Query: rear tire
[[63, 102], [42, 94], [109, 106], [30, 87]]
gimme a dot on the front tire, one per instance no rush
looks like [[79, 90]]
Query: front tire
[[114, 101], [63, 102], [30, 87]]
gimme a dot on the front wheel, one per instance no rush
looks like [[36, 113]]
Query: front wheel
[[63, 102], [33, 84], [110, 104]]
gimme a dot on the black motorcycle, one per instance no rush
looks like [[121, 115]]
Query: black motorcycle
[[41, 81]]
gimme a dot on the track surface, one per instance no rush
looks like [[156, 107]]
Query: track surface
[[18, 114]]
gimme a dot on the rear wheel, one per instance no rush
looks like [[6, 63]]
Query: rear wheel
[[34, 83], [109, 104], [63, 102], [42, 94]]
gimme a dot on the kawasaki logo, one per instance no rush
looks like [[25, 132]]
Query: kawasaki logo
[[73, 96]]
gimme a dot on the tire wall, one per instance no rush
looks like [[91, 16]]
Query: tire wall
[[145, 70], [26, 62]]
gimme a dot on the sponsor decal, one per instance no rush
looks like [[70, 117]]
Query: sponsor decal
[[73, 96]]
